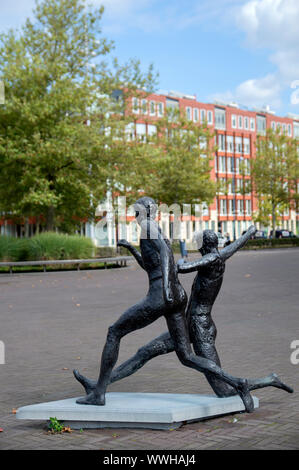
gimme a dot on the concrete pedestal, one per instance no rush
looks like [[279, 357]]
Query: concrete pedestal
[[135, 410]]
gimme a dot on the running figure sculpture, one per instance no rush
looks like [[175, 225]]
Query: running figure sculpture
[[202, 330], [166, 297]]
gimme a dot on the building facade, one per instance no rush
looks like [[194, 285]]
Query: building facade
[[236, 129]]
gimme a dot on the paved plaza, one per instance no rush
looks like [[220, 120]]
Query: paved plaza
[[54, 322]]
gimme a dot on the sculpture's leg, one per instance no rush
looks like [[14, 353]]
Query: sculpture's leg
[[203, 335], [178, 331], [161, 345], [271, 380], [136, 317]]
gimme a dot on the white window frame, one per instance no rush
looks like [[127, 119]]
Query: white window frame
[[203, 115], [240, 122], [144, 109], [195, 114], [135, 105], [234, 121], [252, 124], [246, 123], [160, 109], [152, 104], [189, 113], [210, 116]]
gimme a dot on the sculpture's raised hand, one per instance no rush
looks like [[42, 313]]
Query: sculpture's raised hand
[[123, 243]]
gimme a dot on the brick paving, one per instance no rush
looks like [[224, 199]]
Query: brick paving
[[54, 322]]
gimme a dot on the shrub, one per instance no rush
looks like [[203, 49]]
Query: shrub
[[45, 246], [271, 243], [49, 245], [13, 249]]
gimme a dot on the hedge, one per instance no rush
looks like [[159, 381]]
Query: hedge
[[45, 246], [271, 243]]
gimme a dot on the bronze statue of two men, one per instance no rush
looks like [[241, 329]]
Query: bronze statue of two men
[[189, 324]]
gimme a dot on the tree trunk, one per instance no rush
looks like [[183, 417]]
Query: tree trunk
[[50, 218], [273, 221], [26, 228]]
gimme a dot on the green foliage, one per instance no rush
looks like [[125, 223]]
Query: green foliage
[[45, 246], [52, 163], [271, 243], [59, 246], [181, 171], [13, 249], [275, 175], [55, 426]]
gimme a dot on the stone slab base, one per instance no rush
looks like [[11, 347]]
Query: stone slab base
[[135, 410]]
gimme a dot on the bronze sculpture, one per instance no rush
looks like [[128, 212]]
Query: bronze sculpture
[[166, 297], [206, 286]]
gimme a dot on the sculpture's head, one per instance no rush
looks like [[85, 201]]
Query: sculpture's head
[[206, 241], [145, 208]]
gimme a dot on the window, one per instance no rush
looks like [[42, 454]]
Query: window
[[284, 128], [246, 123], [261, 124], [144, 106], [220, 119], [231, 206], [223, 207], [248, 206], [141, 132], [221, 143], [230, 165], [135, 105], [238, 144], [151, 129], [246, 146], [189, 113], [230, 143], [152, 108], [130, 131], [202, 115], [252, 124], [296, 129], [210, 117], [195, 115], [289, 130], [234, 121], [273, 125], [160, 109], [240, 206], [237, 164], [240, 122], [221, 164]]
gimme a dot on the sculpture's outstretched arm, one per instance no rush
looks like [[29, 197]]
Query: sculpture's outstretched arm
[[133, 251], [229, 250], [203, 262]]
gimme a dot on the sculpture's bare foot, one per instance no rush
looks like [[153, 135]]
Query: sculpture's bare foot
[[92, 399], [243, 391], [276, 382], [89, 385]]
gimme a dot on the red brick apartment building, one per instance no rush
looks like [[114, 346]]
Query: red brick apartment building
[[236, 130]]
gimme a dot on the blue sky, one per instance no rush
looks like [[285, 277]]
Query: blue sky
[[230, 50]]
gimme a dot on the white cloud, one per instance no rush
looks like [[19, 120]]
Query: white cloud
[[270, 24]]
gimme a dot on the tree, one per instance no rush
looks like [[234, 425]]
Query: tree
[[53, 157], [181, 155], [273, 174]]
